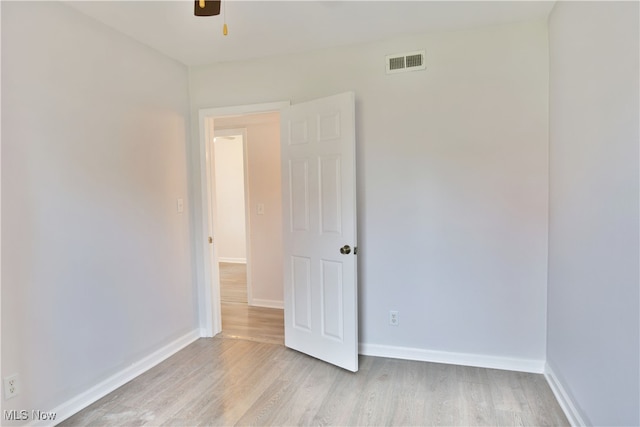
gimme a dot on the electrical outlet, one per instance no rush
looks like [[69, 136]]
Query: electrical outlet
[[11, 386], [393, 318]]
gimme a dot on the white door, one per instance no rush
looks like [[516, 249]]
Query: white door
[[319, 227]]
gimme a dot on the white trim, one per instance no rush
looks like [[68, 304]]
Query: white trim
[[241, 110], [268, 303], [563, 398], [232, 260], [86, 398], [247, 214], [465, 359], [209, 285], [210, 316]]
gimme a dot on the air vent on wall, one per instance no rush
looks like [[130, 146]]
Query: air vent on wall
[[403, 62]]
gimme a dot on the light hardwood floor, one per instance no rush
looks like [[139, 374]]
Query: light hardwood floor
[[240, 320], [233, 282], [221, 381], [260, 324], [255, 380]]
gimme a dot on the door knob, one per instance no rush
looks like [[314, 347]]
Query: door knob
[[345, 250]]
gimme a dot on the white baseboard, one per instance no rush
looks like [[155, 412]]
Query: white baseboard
[[266, 303], [233, 260], [465, 359], [570, 410], [81, 401]]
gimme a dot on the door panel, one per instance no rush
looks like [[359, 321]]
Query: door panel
[[332, 300], [318, 184], [330, 206], [301, 287], [299, 190]]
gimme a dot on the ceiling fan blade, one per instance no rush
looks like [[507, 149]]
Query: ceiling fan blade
[[211, 7]]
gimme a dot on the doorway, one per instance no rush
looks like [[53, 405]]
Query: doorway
[[317, 220], [229, 216], [232, 226], [256, 313]]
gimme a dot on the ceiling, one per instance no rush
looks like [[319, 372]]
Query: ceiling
[[264, 28]]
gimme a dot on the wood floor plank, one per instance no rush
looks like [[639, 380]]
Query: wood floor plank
[[414, 393], [305, 400], [253, 323], [444, 407], [223, 382], [506, 391], [234, 384], [543, 407], [343, 396], [476, 404], [233, 282], [276, 398], [377, 400], [240, 320], [509, 418]]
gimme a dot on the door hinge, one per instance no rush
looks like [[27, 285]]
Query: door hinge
[[210, 239]]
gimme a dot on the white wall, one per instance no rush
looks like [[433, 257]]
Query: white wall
[[96, 262], [594, 314], [452, 180], [263, 186], [231, 236]]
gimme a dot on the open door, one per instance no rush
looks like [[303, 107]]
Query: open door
[[319, 228]]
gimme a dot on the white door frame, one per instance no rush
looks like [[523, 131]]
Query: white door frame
[[210, 315]]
